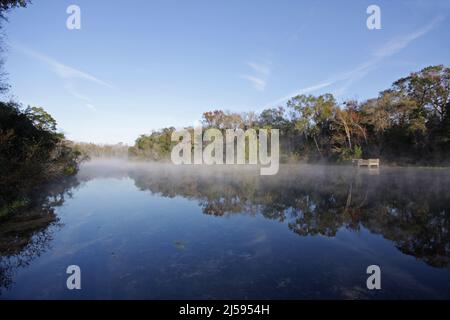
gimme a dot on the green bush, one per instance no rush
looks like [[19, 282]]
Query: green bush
[[32, 152]]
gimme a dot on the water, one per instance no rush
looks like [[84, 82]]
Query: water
[[157, 232]]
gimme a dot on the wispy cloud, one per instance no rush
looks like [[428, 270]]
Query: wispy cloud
[[259, 68], [306, 90], [398, 44], [70, 88], [259, 81], [388, 49], [64, 72], [351, 76]]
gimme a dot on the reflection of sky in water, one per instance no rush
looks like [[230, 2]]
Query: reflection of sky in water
[[134, 244]]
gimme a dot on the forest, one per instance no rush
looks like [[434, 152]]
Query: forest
[[407, 124]]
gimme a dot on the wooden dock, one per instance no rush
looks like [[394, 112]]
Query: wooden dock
[[367, 163]]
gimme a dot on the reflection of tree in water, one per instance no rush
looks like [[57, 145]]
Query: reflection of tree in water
[[26, 234], [408, 207]]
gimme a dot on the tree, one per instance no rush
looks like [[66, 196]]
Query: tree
[[349, 133], [41, 119], [429, 88], [272, 118], [6, 5], [222, 119], [313, 117], [249, 119], [156, 147]]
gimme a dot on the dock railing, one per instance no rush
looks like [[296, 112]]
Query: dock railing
[[369, 163]]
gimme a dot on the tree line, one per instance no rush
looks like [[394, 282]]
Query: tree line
[[409, 123], [98, 151]]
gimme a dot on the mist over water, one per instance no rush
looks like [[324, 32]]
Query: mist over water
[[159, 231]]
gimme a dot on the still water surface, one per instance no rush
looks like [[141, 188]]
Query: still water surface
[[157, 232]]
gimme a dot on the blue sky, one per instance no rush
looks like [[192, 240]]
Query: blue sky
[[140, 65]]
